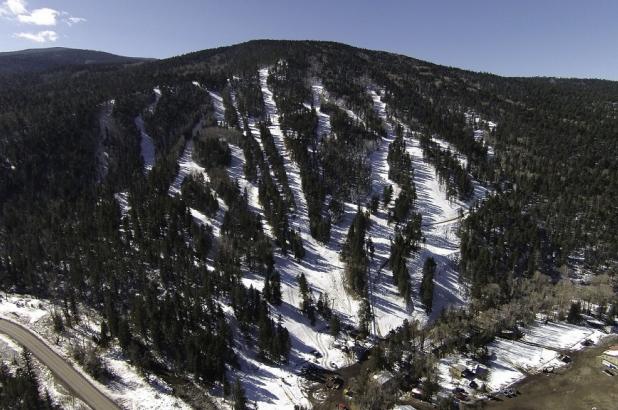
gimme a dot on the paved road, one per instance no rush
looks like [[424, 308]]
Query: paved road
[[70, 377]]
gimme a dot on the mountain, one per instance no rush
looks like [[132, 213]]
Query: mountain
[[42, 59], [245, 221]]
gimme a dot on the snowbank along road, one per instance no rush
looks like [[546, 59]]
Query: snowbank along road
[[70, 377]]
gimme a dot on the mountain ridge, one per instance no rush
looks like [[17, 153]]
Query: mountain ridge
[[42, 59]]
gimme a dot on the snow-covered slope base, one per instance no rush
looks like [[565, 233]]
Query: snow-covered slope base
[[512, 360]]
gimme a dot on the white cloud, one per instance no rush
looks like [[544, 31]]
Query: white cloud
[[16, 7], [46, 36], [74, 20], [17, 10], [40, 17]]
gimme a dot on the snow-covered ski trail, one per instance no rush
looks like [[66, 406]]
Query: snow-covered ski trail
[[146, 143], [389, 308], [321, 264], [441, 219], [217, 102], [324, 128]]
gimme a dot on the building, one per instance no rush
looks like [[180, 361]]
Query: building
[[609, 358], [459, 370], [334, 382], [385, 379], [481, 372]]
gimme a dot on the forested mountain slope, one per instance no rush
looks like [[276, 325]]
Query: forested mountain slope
[[42, 59], [234, 213]]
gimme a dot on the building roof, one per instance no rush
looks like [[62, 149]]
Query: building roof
[[383, 377], [612, 351], [460, 367]]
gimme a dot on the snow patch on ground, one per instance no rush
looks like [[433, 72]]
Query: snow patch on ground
[[560, 336], [512, 360]]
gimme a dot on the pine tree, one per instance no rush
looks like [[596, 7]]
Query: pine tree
[[238, 396], [275, 285], [575, 315], [334, 325], [429, 269]]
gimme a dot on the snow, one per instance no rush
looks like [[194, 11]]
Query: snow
[[512, 360], [447, 146], [383, 377], [479, 126], [122, 198], [186, 166], [560, 336], [324, 127], [276, 387], [321, 264], [217, 102], [280, 386], [22, 308], [389, 308], [439, 226], [146, 145], [137, 392], [146, 142], [106, 126]]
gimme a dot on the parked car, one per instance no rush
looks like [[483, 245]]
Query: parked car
[[509, 392], [564, 358]]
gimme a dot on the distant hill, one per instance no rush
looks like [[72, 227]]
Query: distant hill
[[41, 59]]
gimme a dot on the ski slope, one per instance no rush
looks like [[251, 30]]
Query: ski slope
[[324, 128], [441, 239], [389, 308], [281, 386], [217, 101], [147, 147], [439, 228], [321, 264], [324, 270]]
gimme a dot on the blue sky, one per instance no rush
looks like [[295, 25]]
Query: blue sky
[[543, 37]]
